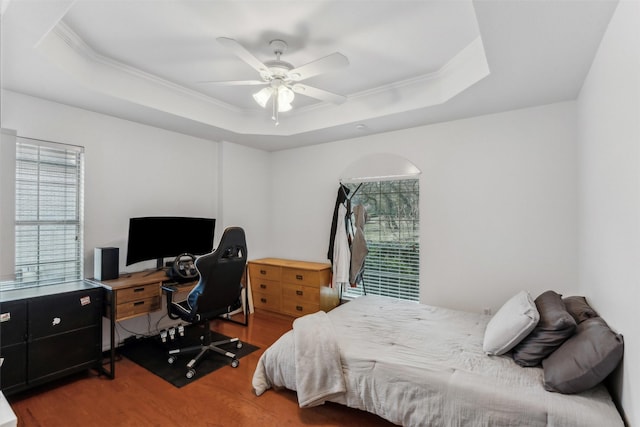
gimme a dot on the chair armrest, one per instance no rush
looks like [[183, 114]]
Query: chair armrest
[[169, 290]]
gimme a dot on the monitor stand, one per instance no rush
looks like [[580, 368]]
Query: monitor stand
[[159, 266]]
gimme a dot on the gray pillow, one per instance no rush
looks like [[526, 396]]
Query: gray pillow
[[515, 320], [579, 308], [585, 359], [554, 327]]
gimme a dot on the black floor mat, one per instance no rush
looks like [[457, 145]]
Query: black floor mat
[[152, 354]]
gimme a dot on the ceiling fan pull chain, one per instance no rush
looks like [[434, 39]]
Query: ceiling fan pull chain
[[274, 116]]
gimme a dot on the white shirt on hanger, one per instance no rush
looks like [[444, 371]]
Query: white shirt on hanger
[[341, 251]]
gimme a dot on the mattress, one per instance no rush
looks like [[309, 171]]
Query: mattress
[[419, 365]]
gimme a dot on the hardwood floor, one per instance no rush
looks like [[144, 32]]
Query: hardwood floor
[[223, 398]]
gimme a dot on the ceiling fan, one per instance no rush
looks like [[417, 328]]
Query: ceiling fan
[[282, 78]]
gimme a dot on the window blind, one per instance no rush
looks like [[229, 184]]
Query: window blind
[[392, 266], [49, 212]]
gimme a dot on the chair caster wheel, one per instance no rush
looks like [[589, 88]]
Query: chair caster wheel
[[190, 373], [235, 363], [239, 344], [171, 360]]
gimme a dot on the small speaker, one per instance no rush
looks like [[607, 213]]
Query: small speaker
[[105, 263]]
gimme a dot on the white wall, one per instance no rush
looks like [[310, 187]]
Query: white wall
[[498, 202], [130, 170], [609, 135], [245, 195], [7, 201]]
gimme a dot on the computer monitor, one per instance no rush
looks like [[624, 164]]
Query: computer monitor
[[158, 237]]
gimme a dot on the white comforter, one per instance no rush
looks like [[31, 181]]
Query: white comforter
[[419, 365]]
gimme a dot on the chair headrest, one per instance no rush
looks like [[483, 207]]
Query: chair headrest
[[233, 243]]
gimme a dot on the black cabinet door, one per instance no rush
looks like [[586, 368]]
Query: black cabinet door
[[13, 322], [61, 354], [60, 313], [13, 348], [13, 373]]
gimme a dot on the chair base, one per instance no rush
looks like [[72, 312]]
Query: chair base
[[203, 350]]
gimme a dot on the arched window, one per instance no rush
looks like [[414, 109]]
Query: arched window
[[388, 187]]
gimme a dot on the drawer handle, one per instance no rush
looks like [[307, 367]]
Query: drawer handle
[[138, 303], [138, 290], [263, 271], [263, 286], [299, 293], [299, 308], [263, 300], [299, 276]]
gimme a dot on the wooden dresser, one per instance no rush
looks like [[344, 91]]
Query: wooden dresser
[[290, 287]]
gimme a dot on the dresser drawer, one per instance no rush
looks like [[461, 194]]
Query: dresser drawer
[[134, 308], [269, 287], [263, 271], [305, 277], [297, 308], [304, 294], [137, 293], [269, 302]]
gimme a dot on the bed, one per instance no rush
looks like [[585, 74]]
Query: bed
[[418, 365]]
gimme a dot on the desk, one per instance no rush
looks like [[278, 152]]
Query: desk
[[132, 295], [129, 296]]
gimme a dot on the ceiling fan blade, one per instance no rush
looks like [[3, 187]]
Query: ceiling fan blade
[[234, 82], [319, 66], [244, 54], [320, 94]]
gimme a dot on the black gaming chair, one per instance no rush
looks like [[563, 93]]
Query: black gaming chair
[[218, 293]]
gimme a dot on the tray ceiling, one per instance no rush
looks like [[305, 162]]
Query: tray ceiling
[[410, 62]]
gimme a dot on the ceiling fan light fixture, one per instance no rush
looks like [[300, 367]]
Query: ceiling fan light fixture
[[282, 97], [262, 96], [283, 108], [285, 97]]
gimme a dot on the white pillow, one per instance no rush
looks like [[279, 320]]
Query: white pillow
[[511, 324]]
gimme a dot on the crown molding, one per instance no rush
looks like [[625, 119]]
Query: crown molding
[[75, 42], [114, 78], [462, 71]]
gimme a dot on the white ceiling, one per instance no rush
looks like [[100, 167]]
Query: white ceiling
[[410, 62]]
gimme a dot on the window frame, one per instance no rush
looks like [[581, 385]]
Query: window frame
[[49, 213], [403, 245]]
